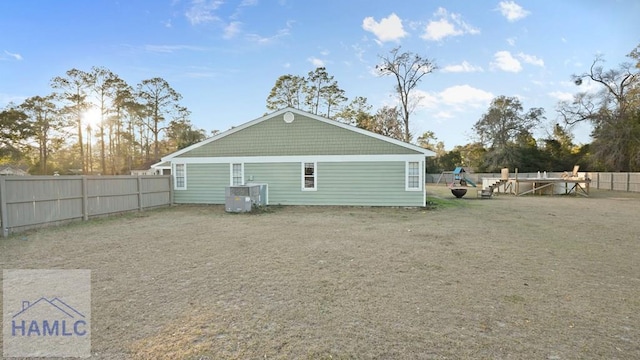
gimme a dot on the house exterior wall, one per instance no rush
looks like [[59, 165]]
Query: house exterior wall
[[338, 183], [205, 184], [352, 166], [303, 136], [364, 183]]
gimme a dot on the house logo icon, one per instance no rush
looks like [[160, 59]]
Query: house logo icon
[[48, 318], [46, 313]]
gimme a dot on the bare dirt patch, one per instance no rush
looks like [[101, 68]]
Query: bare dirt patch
[[508, 278]]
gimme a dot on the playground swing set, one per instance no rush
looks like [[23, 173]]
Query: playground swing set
[[566, 184], [460, 182]]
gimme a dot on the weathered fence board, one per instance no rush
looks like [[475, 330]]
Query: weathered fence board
[[34, 201]]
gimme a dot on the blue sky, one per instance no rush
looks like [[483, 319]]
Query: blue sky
[[225, 56]]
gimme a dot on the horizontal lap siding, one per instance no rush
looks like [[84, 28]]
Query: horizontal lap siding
[[340, 183], [206, 184], [304, 136], [282, 179]]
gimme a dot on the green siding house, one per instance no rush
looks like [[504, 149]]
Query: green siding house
[[304, 159]]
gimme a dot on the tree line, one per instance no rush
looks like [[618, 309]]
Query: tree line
[[503, 136], [320, 94], [138, 124], [134, 125]]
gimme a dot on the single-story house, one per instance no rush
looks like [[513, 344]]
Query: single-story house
[[304, 159], [10, 170]]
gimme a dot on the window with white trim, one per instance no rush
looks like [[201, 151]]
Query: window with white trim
[[309, 176], [413, 176], [180, 176], [237, 174]]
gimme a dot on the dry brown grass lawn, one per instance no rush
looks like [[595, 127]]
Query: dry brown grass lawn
[[506, 278]]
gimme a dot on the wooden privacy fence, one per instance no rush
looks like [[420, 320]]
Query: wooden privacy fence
[[33, 201], [623, 181], [615, 181]]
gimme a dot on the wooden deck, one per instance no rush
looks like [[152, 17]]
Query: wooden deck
[[542, 186]]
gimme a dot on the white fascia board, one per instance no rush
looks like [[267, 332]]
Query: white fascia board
[[299, 158], [159, 165]]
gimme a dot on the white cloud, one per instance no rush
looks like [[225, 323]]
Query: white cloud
[[265, 40], [388, 29], [443, 115], [587, 85], [171, 48], [511, 41], [512, 11], [531, 59], [358, 52], [465, 94], [200, 75], [202, 11], [315, 61], [463, 67], [440, 29], [561, 95], [447, 24], [15, 56], [505, 62], [6, 99], [232, 29], [239, 9], [424, 99]]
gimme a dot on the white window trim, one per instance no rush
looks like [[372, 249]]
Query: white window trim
[[175, 175], [231, 172], [420, 176], [315, 176]]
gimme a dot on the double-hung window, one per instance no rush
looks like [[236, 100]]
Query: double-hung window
[[180, 176], [237, 174], [309, 176], [413, 176]]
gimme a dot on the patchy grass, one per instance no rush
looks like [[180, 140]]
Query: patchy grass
[[440, 203], [509, 277]]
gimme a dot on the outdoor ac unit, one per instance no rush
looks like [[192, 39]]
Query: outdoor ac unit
[[242, 198]]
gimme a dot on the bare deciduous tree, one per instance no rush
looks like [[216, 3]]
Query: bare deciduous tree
[[408, 69], [614, 112]]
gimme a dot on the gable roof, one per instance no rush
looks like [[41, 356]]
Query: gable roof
[[13, 170], [389, 143]]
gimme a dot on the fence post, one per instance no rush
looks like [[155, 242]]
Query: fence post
[[139, 193], [85, 199], [171, 189], [628, 182], [3, 206], [611, 182], [598, 180]]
